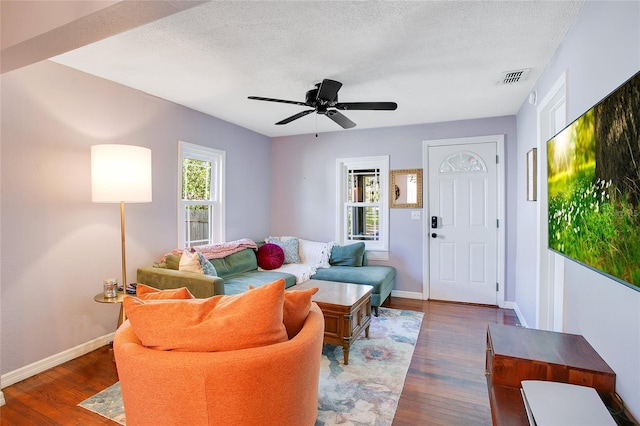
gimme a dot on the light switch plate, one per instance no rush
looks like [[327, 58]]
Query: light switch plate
[[415, 214]]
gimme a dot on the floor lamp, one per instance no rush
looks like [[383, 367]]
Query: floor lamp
[[121, 174]]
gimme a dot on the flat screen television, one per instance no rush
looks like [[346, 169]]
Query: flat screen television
[[593, 184]]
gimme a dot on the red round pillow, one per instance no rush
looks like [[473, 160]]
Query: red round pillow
[[270, 256]]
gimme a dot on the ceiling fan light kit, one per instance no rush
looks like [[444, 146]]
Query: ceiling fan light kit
[[324, 100]]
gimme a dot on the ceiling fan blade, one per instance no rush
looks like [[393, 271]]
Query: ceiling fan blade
[[282, 101], [340, 119], [384, 106], [295, 117], [328, 90]]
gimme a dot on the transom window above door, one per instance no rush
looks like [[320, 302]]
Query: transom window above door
[[464, 161]]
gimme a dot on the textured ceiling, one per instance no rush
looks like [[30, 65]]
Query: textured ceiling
[[440, 61]]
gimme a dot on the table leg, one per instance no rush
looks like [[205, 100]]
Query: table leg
[[122, 316]]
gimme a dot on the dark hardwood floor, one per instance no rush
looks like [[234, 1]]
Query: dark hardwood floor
[[445, 384], [51, 397]]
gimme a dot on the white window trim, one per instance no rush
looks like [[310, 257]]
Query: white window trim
[[376, 250], [198, 152]]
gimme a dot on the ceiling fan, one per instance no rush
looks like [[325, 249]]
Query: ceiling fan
[[324, 100]]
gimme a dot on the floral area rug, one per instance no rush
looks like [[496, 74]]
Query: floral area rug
[[365, 392]]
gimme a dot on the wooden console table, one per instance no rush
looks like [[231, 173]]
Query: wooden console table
[[515, 354]]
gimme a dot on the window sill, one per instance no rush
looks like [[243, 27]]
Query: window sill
[[377, 255]]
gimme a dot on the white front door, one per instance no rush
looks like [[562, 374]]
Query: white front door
[[462, 223]]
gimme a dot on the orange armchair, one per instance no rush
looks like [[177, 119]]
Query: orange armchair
[[268, 385]]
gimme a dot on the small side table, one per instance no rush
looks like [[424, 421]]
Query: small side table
[[118, 299]]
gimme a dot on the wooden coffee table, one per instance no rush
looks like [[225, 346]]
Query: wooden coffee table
[[346, 309]]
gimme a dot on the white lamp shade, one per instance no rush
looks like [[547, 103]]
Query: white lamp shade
[[120, 173]]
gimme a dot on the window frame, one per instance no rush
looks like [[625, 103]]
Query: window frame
[[216, 203], [376, 250]]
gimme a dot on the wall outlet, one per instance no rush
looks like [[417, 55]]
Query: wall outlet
[[415, 214]]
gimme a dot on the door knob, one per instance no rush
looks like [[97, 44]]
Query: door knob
[[434, 235]]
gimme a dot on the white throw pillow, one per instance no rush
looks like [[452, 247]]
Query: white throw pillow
[[315, 253], [190, 262]]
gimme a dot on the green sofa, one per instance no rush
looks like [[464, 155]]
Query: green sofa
[[237, 271]]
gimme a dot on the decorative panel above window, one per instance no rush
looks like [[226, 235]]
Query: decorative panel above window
[[464, 162]]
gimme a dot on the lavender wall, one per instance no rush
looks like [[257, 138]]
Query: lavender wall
[[599, 53], [304, 182], [57, 245]]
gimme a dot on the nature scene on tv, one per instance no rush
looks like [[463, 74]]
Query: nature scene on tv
[[594, 186]]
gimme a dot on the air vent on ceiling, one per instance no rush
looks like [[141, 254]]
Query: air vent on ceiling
[[510, 77]]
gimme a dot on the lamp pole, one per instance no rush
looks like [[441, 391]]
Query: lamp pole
[[124, 257]]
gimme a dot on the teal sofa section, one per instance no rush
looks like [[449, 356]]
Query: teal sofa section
[[382, 278], [240, 270], [349, 265]]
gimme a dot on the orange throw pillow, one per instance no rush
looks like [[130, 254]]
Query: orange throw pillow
[[296, 308], [219, 323], [145, 292]]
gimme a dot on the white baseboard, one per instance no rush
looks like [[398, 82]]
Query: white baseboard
[[514, 306], [2, 401], [27, 371], [507, 305], [406, 294]]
